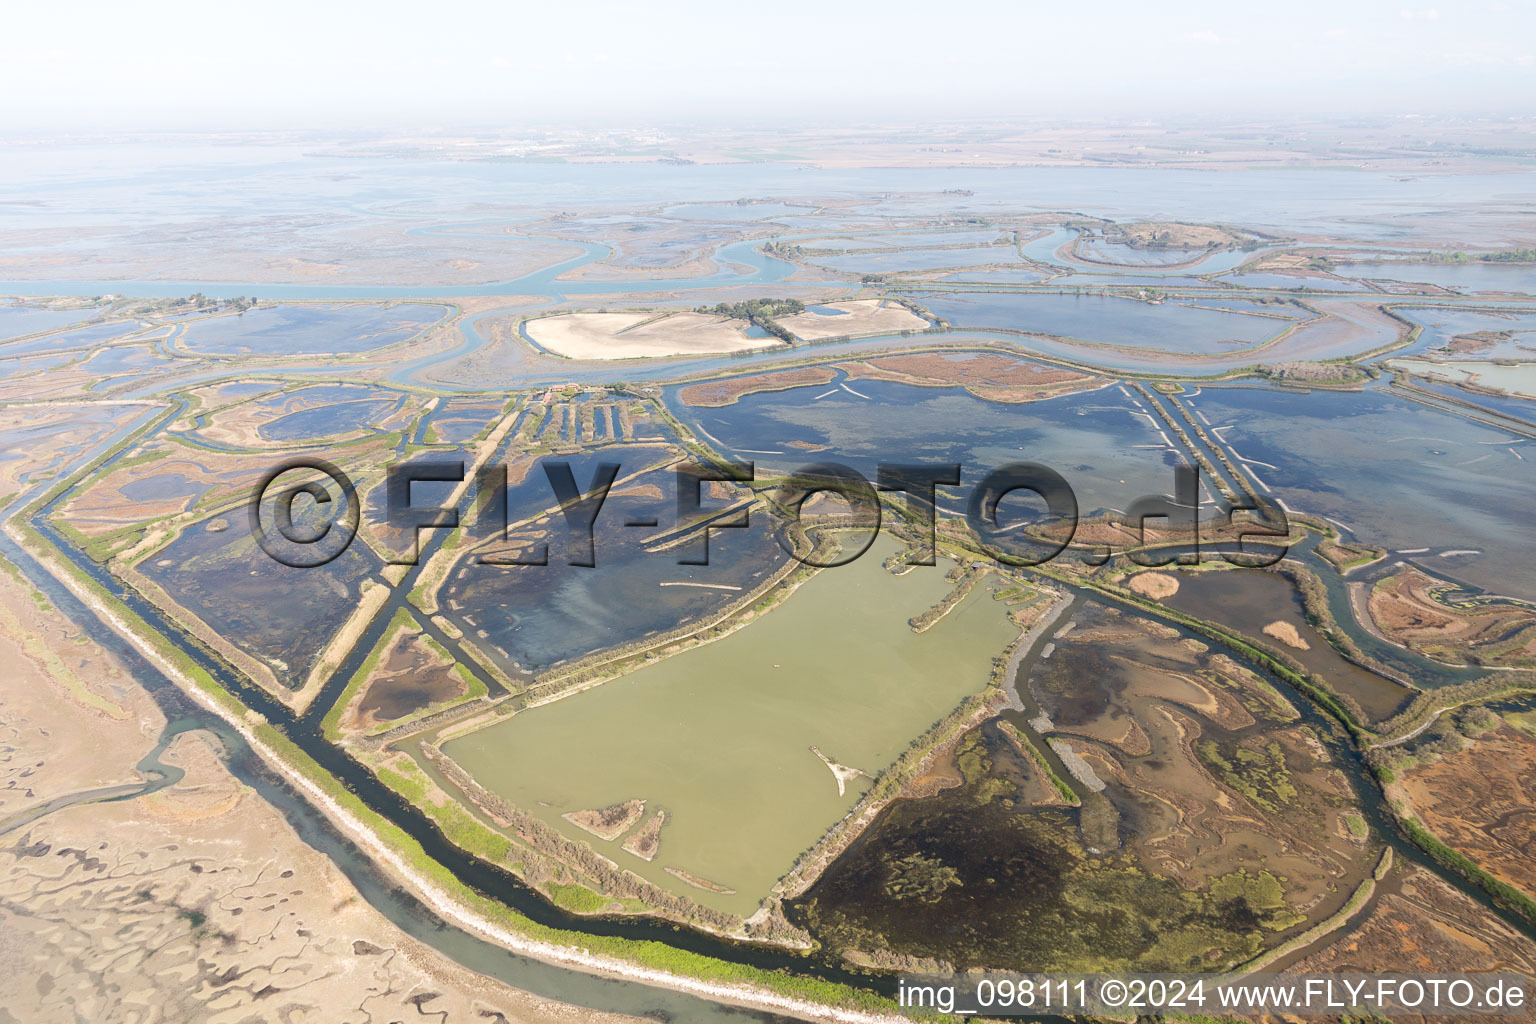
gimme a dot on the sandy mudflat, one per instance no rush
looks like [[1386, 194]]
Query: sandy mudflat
[[630, 336], [858, 316], [198, 902]]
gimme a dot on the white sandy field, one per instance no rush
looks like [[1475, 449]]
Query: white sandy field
[[640, 335], [859, 316]]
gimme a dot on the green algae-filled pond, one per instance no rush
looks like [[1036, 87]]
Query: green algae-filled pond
[[719, 736]]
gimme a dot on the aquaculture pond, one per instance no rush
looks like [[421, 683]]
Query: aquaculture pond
[[327, 420], [533, 617], [1397, 473], [1287, 282], [456, 420], [311, 329], [123, 358], [1515, 379], [1505, 405], [1156, 869], [1503, 333], [80, 337], [281, 615], [16, 367], [999, 275], [1106, 319], [720, 737], [1472, 276], [17, 320], [904, 240], [1103, 442], [1079, 278], [529, 491], [736, 211], [918, 259], [163, 486], [321, 410]]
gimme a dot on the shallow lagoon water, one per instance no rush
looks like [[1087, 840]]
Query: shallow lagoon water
[[1442, 324], [1110, 320], [1100, 251], [1285, 282], [736, 211], [719, 736], [1520, 408], [918, 259], [903, 240], [1398, 473], [310, 329], [17, 321], [1080, 279], [80, 337], [534, 617], [1100, 441], [1248, 600], [1518, 380], [1473, 276], [1021, 275]]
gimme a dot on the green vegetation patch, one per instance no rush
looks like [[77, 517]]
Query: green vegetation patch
[[1259, 774]]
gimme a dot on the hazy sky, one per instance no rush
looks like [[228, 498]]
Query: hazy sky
[[177, 63]]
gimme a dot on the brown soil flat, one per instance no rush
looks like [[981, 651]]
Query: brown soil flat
[[1426, 615], [1156, 585], [1170, 234], [856, 316], [410, 677], [647, 839], [1482, 802], [725, 392], [1477, 341], [640, 335], [1425, 926], [940, 774], [610, 822], [990, 375], [56, 692]]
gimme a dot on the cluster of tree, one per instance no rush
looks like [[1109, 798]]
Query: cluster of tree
[[1491, 685], [918, 309], [755, 309], [1502, 256], [1448, 735], [965, 581], [200, 301], [784, 251], [1312, 373], [761, 313]]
